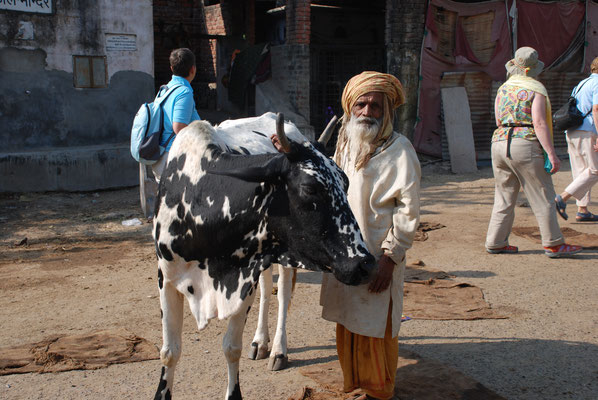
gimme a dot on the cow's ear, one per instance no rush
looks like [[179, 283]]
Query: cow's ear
[[266, 172]]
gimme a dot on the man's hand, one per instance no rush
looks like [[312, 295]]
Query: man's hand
[[276, 144], [384, 276], [596, 145]]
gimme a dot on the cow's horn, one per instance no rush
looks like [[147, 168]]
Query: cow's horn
[[327, 134], [282, 137]]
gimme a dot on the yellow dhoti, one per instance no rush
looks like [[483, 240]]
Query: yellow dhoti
[[367, 362]]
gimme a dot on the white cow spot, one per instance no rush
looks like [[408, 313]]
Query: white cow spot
[[210, 201], [240, 253], [226, 209]]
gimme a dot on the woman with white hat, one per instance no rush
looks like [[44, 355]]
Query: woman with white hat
[[523, 156]]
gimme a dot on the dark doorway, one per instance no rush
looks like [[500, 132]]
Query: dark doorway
[[346, 39]]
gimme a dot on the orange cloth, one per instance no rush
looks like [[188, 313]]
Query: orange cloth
[[367, 362], [371, 81], [366, 82]]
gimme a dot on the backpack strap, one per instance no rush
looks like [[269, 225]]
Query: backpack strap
[[159, 100], [577, 89]]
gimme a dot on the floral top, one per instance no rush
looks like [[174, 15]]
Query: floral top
[[514, 108]]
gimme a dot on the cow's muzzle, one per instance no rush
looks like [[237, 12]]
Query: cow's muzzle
[[359, 271]]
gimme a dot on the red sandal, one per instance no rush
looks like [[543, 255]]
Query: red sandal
[[562, 250], [506, 250]]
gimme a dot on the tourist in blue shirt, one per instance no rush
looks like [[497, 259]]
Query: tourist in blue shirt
[[582, 145], [179, 108]]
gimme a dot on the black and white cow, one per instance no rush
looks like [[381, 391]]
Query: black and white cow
[[223, 216]]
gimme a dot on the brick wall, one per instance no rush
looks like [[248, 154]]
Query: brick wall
[[298, 14], [185, 23], [177, 23], [403, 36], [290, 67], [291, 61]]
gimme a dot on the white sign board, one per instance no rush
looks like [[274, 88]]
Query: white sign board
[[459, 132], [120, 42], [31, 6]]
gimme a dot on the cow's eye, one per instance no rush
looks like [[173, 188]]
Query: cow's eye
[[308, 190]]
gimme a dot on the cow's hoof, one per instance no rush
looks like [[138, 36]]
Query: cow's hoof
[[278, 362], [258, 353]]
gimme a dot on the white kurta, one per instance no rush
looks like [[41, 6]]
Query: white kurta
[[384, 196]]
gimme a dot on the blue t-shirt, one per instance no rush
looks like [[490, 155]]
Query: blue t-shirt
[[587, 97], [178, 107]]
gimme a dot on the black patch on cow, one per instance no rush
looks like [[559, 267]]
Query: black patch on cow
[[286, 204], [156, 238], [160, 278], [246, 290], [161, 314], [190, 289], [158, 255], [236, 394], [244, 150], [162, 386], [167, 396], [157, 232], [166, 254]]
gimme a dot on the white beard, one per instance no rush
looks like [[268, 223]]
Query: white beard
[[360, 131]]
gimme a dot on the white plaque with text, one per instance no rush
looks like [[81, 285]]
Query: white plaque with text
[[120, 42]]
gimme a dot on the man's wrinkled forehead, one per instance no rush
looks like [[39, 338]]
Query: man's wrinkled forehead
[[371, 98]]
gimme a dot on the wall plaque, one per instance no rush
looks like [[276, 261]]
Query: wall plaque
[[121, 42]]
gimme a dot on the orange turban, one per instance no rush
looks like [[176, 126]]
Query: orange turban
[[366, 82], [371, 81]]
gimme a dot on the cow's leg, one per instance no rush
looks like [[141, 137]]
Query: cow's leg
[[171, 304], [278, 355], [259, 345], [232, 345]]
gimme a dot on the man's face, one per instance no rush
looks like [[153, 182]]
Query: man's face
[[369, 105]]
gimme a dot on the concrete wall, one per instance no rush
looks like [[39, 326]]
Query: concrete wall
[[40, 109], [405, 21]]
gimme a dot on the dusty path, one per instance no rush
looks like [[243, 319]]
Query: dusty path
[[81, 270]]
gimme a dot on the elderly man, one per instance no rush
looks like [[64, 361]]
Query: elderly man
[[384, 181]]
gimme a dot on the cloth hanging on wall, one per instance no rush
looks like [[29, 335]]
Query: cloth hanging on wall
[[548, 27], [463, 37], [591, 35], [459, 37]]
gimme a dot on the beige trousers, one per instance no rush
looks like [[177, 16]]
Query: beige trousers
[[584, 165], [158, 167], [524, 170]]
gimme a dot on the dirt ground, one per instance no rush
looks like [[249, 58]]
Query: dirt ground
[[81, 270]]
